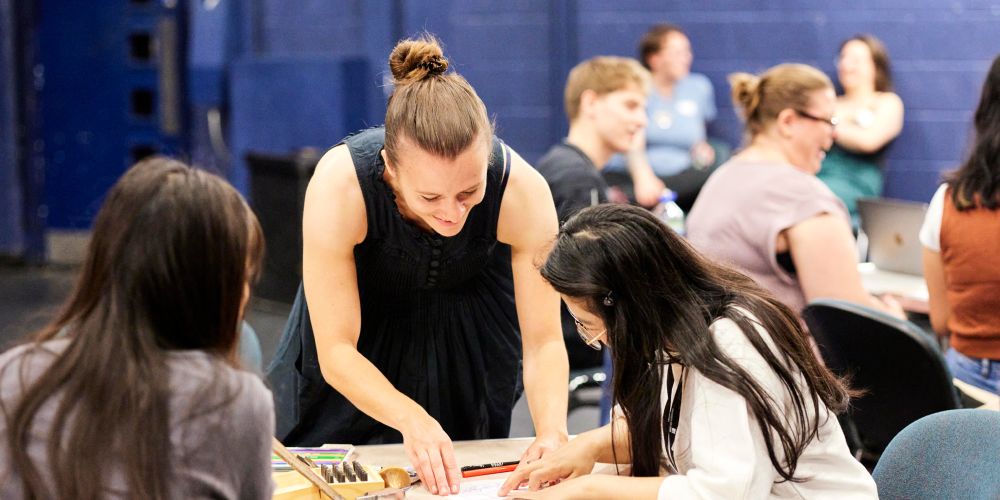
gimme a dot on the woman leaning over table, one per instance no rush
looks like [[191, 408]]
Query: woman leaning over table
[[715, 384], [420, 290]]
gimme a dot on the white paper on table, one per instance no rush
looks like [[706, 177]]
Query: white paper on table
[[479, 490]]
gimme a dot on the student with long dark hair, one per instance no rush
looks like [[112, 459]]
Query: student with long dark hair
[[133, 391], [714, 380], [961, 238]]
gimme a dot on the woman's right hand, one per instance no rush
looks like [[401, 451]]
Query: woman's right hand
[[430, 451], [576, 458]]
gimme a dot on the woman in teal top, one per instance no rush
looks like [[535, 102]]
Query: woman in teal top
[[870, 117]]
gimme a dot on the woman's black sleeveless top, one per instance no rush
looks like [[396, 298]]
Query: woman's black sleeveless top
[[437, 319]]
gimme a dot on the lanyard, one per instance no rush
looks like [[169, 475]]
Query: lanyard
[[672, 414]]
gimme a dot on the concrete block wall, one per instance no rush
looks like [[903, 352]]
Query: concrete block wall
[[517, 53], [940, 52]]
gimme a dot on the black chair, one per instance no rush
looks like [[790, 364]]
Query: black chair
[[897, 364]]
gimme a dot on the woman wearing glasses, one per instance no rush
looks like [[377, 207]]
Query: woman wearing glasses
[[714, 381], [765, 211]]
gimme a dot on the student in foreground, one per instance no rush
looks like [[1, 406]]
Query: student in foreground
[[134, 390], [715, 384]]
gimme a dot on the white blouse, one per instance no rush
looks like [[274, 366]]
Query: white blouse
[[930, 231], [720, 450]]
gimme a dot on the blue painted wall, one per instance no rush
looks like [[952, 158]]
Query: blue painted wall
[[517, 53], [940, 52], [286, 75], [301, 77], [12, 230]]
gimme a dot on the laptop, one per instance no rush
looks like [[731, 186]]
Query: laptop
[[893, 228]]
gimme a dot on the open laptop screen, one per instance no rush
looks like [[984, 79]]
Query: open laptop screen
[[892, 227]]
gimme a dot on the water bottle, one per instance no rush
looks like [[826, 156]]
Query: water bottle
[[668, 211]]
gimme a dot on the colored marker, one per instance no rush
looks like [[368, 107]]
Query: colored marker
[[485, 469]]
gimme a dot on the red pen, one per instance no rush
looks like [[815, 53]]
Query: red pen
[[489, 470]]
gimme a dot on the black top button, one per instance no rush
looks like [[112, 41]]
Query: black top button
[[436, 242], [432, 272], [434, 263], [436, 251]]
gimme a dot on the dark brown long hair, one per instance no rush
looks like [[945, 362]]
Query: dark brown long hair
[[665, 296], [977, 182], [171, 253]]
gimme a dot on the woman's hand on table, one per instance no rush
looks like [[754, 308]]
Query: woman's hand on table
[[543, 445], [570, 461], [579, 488], [431, 452]]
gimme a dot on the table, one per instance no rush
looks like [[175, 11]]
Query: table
[[909, 290], [290, 485]]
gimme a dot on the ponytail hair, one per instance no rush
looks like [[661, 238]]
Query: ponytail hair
[[436, 110], [761, 98], [745, 95]]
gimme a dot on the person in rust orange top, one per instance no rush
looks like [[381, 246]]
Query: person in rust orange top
[[961, 238]]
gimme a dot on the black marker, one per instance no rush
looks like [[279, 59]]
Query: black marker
[[488, 466]]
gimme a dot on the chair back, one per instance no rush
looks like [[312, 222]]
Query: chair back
[[951, 454], [896, 363]]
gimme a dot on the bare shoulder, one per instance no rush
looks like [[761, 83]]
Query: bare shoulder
[[334, 197], [889, 100], [522, 174], [527, 206]]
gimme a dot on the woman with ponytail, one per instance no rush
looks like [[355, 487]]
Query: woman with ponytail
[[715, 385], [765, 211], [961, 239], [134, 390], [420, 290]]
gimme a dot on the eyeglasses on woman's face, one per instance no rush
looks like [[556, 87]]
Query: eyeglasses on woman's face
[[832, 121], [591, 339]]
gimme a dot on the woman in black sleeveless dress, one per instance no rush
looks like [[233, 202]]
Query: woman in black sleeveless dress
[[419, 239]]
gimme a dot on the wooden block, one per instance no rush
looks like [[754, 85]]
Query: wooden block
[[293, 486]]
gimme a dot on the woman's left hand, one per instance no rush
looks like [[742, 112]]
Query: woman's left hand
[[573, 460]]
